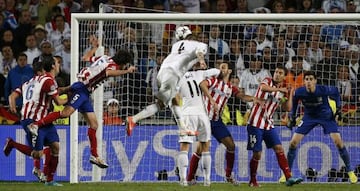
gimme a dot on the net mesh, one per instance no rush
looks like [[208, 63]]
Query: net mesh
[[329, 48]]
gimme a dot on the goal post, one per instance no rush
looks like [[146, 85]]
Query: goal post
[[153, 147]]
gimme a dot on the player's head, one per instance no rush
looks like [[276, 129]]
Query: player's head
[[182, 33], [122, 58], [224, 70], [200, 66], [38, 68], [310, 80], [48, 63], [279, 74], [51, 65]]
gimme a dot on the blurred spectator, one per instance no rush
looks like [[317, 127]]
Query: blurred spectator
[[24, 29], [39, 9], [353, 61], [314, 54], [50, 25], [328, 5], [46, 51], [268, 59], [88, 7], [236, 57], [295, 76], [8, 38], [221, 6], [280, 52], [262, 39], [351, 35], [326, 68], [111, 116], [242, 6], [40, 34], [291, 36], [351, 7], [21, 73], [251, 78], [278, 7], [151, 79], [195, 6], [302, 51], [306, 6], [343, 83], [178, 7], [57, 36], [10, 21], [65, 54], [32, 50], [129, 43], [262, 10], [8, 62], [219, 46], [150, 60], [68, 7], [249, 51]]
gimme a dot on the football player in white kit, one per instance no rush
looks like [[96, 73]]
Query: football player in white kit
[[196, 118], [88, 79], [184, 54]]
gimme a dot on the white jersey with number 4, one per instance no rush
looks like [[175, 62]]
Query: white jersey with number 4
[[96, 72], [183, 56]]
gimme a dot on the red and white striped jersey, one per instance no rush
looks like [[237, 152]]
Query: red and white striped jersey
[[220, 92], [37, 94], [96, 73], [262, 117]]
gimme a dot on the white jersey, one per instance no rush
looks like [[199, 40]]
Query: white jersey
[[96, 73], [183, 56], [190, 90], [250, 82]]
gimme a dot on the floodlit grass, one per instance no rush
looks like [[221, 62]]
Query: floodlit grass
[[20, 186]]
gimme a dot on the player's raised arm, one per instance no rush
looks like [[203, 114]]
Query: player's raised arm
[[112, 73]]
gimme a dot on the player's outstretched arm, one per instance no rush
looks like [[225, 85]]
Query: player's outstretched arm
[[86, 57], [12, 101], [112, 73]]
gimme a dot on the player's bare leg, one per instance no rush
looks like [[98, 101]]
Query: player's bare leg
[[91, 120]]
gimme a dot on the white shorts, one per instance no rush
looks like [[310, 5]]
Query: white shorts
[[200, 123], [167, 81]]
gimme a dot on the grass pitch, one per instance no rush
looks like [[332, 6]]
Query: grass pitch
[[20, 186]]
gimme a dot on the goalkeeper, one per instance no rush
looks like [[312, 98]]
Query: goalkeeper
[[317, 111]]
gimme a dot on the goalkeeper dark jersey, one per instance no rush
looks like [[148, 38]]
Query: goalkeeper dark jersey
[[316, 105]]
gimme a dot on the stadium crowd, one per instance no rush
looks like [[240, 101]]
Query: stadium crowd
[[35, 29]]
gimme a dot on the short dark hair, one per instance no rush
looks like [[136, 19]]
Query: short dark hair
[[309, 73], [281, 66], [122, 57], [48, 62], [37, 67]]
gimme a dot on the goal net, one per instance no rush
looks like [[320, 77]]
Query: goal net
[[327, 44]]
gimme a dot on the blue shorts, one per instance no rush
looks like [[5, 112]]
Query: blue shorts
[[80, 99], [219, 130], [256, 136], [329, 126], [46, 135]]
